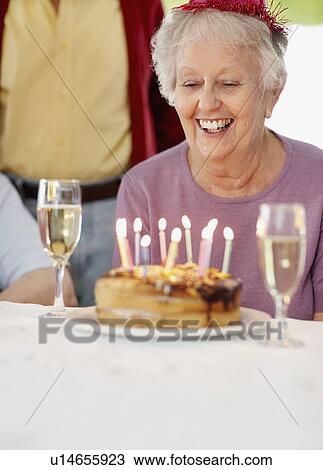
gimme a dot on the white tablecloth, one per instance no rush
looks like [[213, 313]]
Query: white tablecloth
[[183, 395]]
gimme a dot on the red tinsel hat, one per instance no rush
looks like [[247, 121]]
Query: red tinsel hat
[[272, 16]]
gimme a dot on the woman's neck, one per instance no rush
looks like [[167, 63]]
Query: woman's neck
[[244, 172]]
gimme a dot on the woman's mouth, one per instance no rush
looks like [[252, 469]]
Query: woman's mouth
[[214, 126]]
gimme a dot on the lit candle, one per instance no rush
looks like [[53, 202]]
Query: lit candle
[[205, 235], [128, 251], [188, 239], [121, 230], [145, 244], [209, 242], [137, 227], [213, 223], [173, 248], [162, 239], [229, 236]]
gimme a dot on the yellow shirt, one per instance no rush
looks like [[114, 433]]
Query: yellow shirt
[[45, 133]]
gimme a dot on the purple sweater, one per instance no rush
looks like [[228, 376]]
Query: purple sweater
[[163, 187]]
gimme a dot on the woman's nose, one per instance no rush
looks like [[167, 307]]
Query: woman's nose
[[209, 99]]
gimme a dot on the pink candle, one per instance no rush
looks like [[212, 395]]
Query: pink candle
[[127, 247], [201, 260]]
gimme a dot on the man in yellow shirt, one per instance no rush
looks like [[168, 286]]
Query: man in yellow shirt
[[78, 100]]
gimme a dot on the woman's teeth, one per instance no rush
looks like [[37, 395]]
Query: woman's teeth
[[214, 125]]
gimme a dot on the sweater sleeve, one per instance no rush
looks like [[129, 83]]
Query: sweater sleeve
[[131, 203]]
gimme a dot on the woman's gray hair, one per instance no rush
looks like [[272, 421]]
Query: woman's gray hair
[[180, 28]]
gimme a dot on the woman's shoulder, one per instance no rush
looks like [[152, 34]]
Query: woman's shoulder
[[161, 164], [306, 160], [304, 150]]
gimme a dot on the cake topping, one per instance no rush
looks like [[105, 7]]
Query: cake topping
[[181, 276]]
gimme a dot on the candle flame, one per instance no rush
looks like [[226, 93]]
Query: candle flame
[[145, 241], [137, 225], [213, 223], [228, 233], [186, 222], [176, 235], [207, 233], [162, 224], [121, 228]]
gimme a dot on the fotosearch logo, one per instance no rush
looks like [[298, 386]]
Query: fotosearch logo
[[88, 330]]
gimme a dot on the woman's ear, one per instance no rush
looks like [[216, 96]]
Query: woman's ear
[[272, 98]]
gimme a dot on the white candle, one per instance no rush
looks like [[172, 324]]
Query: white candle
[[162, 224], [188, 239], [205, 235], [229, 236], [137, 227], [145, 244], [209, 242], [173, 248], [213, 223], [121, 230]]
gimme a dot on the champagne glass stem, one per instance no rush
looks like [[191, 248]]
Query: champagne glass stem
[[59, 306], [281, 315], [279, 307]]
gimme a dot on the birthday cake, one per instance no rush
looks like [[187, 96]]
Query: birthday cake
[[179, 297]]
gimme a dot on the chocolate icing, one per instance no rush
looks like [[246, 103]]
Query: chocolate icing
[[224, 290], [213, 287]]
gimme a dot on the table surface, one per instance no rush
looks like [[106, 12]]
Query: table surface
[[181, 395]]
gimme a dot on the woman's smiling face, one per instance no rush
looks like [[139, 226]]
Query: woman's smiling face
[[219, 98]]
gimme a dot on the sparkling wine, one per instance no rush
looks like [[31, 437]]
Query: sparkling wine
[[281, 261], [60, 229]]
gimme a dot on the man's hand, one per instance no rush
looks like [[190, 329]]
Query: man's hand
[[38, 287]]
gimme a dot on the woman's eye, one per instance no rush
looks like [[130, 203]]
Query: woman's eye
[[230, 84], [190, 84]]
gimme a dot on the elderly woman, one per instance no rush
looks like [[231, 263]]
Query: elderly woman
[[221, 65]]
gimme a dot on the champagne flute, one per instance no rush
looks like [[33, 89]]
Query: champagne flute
[[281, 234], [59, 215]]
